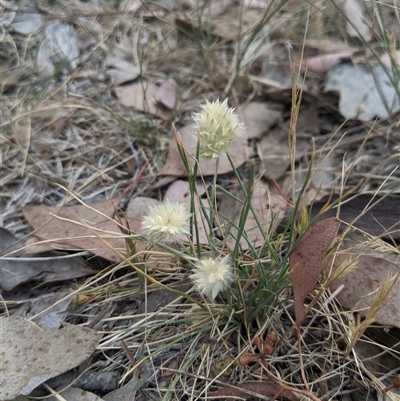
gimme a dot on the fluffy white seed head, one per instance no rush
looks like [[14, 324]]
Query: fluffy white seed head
[[217, 126], [166, 222], [212, 275]]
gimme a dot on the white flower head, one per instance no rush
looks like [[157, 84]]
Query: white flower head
[[213, 275], [166, 222], [217, 126]]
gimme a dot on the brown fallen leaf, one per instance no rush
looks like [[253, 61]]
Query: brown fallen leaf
[[166, 95], [361, 285], [262, 390], [85, 222], [259, 117], [141, 96], [32, 354], [305, 262]]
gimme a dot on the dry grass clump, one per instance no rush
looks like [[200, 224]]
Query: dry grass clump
[[68, 131]]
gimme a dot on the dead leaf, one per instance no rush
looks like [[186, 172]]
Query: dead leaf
[[141, 96], [324, 62], [356, 25], [166, 95], [273, 149], [31, 354], [306, 262], [259, 117], [85, 222], [238, 150], [16, 268], [50, 309], [179, 191], [360, 286], [262, 390], [365, 92], [120, 70]]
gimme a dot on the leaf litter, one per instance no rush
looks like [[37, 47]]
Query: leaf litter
[[99, 128]]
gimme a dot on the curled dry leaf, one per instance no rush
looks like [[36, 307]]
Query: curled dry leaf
[[32, 354], [306, 262]]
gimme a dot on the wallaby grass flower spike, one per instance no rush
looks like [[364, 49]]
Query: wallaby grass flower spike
[[213, 275], [217, 125], [166, 222]]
